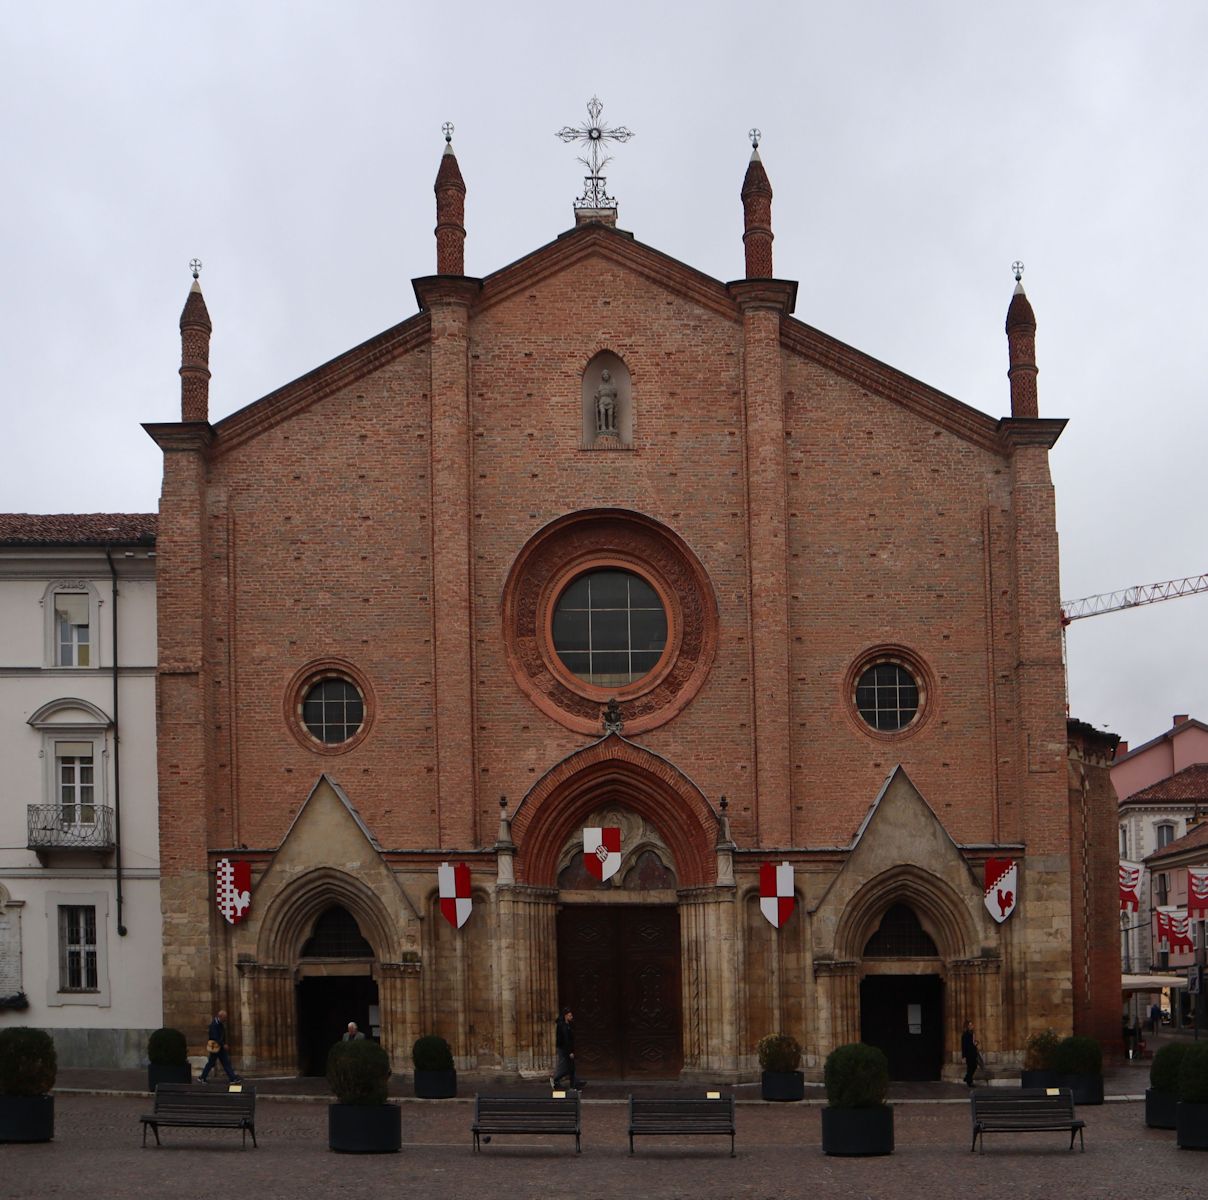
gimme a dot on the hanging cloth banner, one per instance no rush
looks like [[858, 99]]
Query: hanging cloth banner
[[233, 889], [1180, 932], [1001, 887], [776, 900], [1197, 891], [1130, 886], [1163, 918], [602, 851], [454, 887]]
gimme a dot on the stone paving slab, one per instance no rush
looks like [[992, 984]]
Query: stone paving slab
[[97, 1153]]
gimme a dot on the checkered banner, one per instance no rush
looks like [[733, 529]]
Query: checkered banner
[[1130, 886], [233, 889], [1162, 917], [776, 900], [453, 884], [1197, 891], [1180, 931]]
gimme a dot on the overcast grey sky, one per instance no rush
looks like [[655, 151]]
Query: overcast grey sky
[[915, 150]]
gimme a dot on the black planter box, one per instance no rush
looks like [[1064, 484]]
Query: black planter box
[[1087, 1089], [158, 1073], [1039, 1079], [436, 1085], [782, 1085], [1160, 1109], [1191, 1122], [364, 1128], [852, 1132], [27, 1118]]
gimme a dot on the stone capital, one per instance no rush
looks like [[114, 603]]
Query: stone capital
[[189, 436], [432, 291], [1030, 431], [780, 295]]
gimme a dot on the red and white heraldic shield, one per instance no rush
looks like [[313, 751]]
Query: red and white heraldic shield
[[1197, 891], [776, 900], [233, 889], [454, 885], [1002, 887], [602, 850], [1130, 882]]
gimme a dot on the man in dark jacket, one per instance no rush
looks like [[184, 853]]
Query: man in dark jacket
[[969, 1053], [564, 1040], [217, 1038]]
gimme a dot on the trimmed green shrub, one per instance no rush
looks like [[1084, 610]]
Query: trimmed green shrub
[[779, 1052], [1193, 1074], [1039, 1050], [432, 1053], [359, 1072], [856, 1076], [1078, 1055], [1164, 1070], [167, 1048], [28, 1062]]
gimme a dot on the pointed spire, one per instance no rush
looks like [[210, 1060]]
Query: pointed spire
[[1021, 347], [195, 330], [757, 215], [450, 191]]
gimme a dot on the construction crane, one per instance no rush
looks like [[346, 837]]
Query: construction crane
[[1131, 597]]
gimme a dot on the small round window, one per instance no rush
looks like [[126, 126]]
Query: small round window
[[609, 628], [333, 710], [887, 696]]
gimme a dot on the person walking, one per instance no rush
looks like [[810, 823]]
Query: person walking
[[353, 1034], [564, 1041], [216, 1048], [969, 1053]]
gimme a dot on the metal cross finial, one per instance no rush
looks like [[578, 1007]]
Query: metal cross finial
[[447, 130], [195, 266], [754, 135], [1017, 268], [595, 134]]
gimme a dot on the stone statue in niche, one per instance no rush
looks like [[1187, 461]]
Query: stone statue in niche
[[606, 405]]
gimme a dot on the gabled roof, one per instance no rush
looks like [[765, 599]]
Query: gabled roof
[[77, 529], [601, 241], [1193, 840], [1166, 735], [1183, 787]]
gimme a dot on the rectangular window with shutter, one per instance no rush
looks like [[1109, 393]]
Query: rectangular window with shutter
[[77, 948]]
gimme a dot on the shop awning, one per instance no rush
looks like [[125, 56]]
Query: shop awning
[[1152, 983]]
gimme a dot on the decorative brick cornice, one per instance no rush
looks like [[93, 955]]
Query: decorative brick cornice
[[182, 436], [1030, 431], [433, 290], [777, 294]]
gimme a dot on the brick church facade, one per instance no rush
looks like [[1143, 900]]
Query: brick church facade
[[600, 541]]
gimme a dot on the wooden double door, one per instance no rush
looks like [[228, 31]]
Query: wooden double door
[[619, 971]]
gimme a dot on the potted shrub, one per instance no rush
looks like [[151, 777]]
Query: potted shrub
[[28, 1065], [1162, 1095], [780, 1056], [362, 1121], [1078, 1062], [1191, 1114], [167, 1058], [856, 1119], [435, 1077], [1038, 1070]]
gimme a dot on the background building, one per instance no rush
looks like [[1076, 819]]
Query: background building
[[80, 947], [598, 541]]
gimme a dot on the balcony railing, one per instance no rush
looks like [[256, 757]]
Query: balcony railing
[[70, 827]]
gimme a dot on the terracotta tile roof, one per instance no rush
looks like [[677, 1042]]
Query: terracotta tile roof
[[1195, 839], [1189, 784], [77, 529]]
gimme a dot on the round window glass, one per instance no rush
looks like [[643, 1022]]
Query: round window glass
[[609, 628], [333, 710], [887, 696]]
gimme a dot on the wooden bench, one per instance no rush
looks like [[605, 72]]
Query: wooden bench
[[187, 1104], [526, 1114], [654, 1116], [1023, 1110]]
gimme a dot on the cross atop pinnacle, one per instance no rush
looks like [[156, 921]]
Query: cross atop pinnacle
[[595, 134]]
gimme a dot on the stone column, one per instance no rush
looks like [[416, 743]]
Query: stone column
[[267, 1018], [709, 955], [838, 1003], [399, 1001]]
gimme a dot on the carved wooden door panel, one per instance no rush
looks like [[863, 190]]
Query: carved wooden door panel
[[619, 971]]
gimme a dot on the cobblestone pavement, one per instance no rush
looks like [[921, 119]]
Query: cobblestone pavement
[[97, 1153]]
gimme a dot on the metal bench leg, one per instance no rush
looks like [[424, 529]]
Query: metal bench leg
[[476, 1145], [732, 1154], [631, 1143], [578, 1147]]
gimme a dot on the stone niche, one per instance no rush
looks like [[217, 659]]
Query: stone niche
[[607, 404]]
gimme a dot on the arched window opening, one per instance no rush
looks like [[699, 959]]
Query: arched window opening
[[900, 935], [336, 935]]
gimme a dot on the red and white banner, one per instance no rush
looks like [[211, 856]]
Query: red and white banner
[[1001, 887], [602, 850], [776, 900], [1163, 919], [453, 884], [1180, 932], [1130, 886], [1197, 891], [233, 889]]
